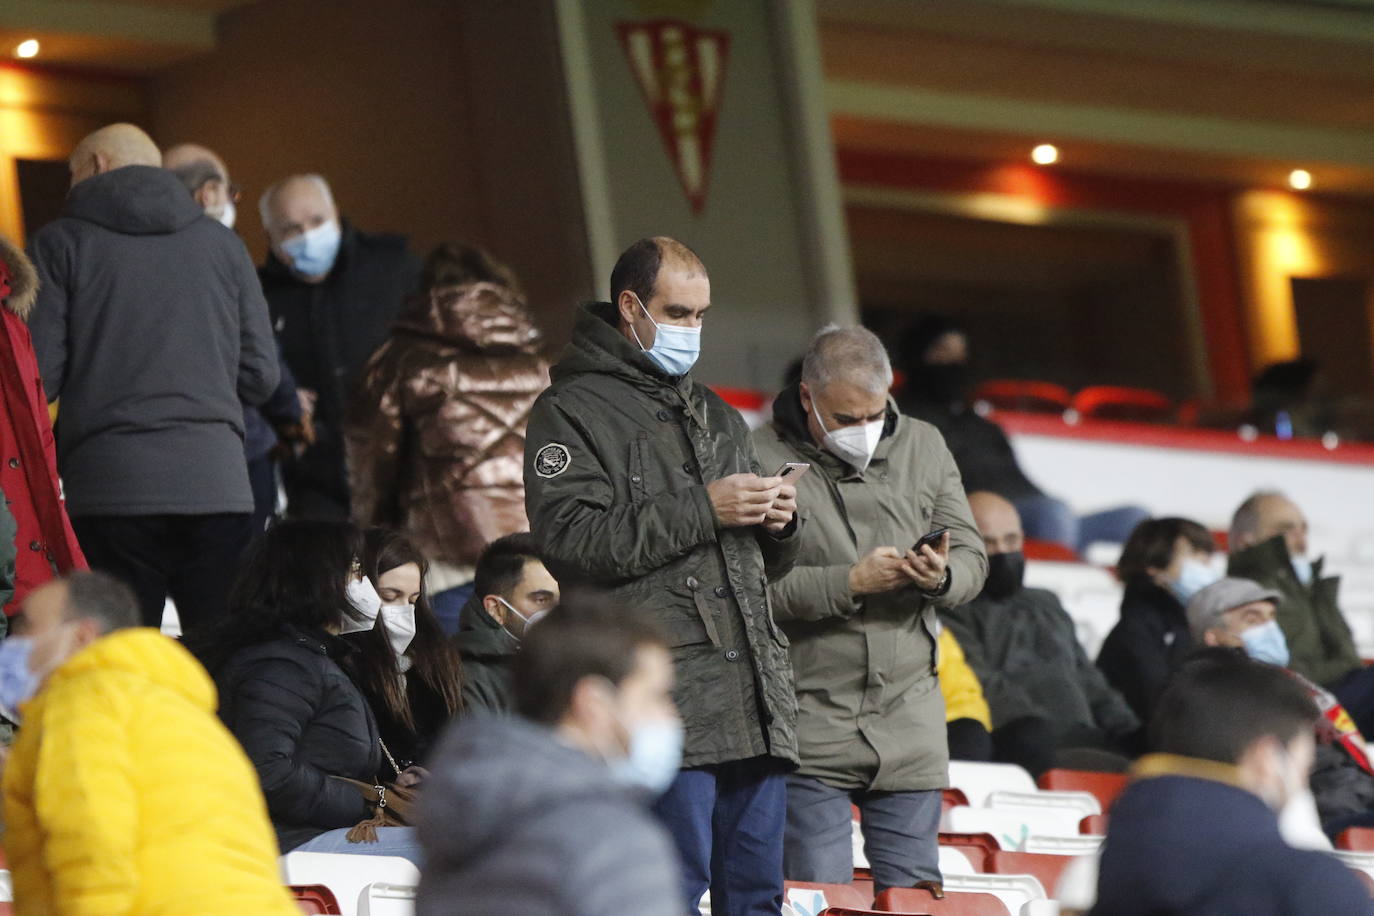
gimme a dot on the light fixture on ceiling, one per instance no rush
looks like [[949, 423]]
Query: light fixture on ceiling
[[28, 48], [1045, 154], [1300, 179]]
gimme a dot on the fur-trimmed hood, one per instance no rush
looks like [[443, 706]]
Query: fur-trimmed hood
[[23, 278]]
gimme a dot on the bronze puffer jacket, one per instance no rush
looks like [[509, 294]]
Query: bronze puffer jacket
[[436, 437]]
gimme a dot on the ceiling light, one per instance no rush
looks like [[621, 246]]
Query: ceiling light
[[1045, 154], [27, 48], [1300, 179]]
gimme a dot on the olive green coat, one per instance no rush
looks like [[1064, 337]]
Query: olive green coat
[[617, 460], [1320, 644], [871, 714]]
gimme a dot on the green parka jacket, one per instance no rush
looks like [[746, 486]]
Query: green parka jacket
[[871, 713], [617, 459]]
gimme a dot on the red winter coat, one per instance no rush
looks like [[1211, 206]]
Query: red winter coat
[[45, 545]]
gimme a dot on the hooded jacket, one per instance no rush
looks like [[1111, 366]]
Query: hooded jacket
[[487, 651], [436, 442], [871, 712], [1027, 655], [1320, 645], [328, 331], [38, 536], [1190, 842], [616, 471], [125, 795], [151, 327], [542, 830]]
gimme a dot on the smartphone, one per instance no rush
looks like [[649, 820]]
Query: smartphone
[[931, 540], [792, 471]]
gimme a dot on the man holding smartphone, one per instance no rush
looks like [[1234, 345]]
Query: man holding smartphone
[[642, 481], [889, 538]]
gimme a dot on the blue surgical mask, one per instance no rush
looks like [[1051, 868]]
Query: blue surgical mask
[[312, 253], [17, 683], [1302, 568], [1266, 643], [655, 756], [1193, 577], [675, 348]]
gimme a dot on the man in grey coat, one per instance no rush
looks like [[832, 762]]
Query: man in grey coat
[[859, 609], [546, 814], [150, 326]]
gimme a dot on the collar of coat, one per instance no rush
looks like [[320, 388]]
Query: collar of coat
[[598, 346], [1268, 557], [1155, 765], [17, 272], [789, 419]]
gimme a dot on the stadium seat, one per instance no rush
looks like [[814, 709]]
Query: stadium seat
[[1093, 825], [381, 899], [1063, 845], [1049, 550], [1012, 826], [315, 898], [949, 798], [1112, 402], [954, 861], [914, 900], [811, 899], [1025, 395], [1047, 869], [348, 876], [1366, 879], [979, 780], [1105, 787], [1356, 839], [1085, 803]]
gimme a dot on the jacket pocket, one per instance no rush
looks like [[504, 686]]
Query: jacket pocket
[[680, 619]]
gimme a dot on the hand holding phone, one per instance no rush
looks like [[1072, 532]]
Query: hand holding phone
[[792, 471]]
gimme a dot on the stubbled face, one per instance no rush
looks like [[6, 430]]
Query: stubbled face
[[841, 403], [680, 298], [536, 593]]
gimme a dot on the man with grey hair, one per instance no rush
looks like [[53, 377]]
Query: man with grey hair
[[206, 177], [151, 328], [859, 608], [1268, 542], [334, 292]]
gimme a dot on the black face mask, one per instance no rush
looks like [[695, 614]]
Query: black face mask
[[1005, 574], [946, 385]]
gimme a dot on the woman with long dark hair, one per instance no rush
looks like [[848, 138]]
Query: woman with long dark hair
[[405, 666], [279, 662]]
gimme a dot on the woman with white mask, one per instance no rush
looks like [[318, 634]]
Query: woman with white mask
[[408, 670]]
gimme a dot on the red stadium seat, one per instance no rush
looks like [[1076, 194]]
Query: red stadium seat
[[1049, 550], [834, 894], [1093, 825], [315, 898], [1356, 839], [985, 842], [1020, 394], [951, 798], [954, 903], [1110, 402], [1047, 868], [1104, 786]]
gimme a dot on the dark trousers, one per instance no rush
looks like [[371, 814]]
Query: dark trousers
[[727, 821], [262, 477], [901, 833], [191, 558]]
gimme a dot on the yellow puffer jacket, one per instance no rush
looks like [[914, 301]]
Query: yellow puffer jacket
[[125, 795], [963, 694]]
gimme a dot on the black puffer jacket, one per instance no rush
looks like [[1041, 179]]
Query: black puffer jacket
[[301, 720], [1146, 646]]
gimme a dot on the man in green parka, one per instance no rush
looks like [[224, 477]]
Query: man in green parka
[[641, 481], [859, 608]]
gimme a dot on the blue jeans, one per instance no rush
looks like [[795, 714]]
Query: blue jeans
[[1045, 518], [727, 822], [391, 841], [448, 604], [901, 834]]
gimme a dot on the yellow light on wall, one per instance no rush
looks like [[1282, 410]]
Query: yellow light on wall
[[1300, 179], [1045, 154], [27, 48]]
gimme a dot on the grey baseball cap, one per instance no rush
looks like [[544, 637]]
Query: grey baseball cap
[[1225, 595]]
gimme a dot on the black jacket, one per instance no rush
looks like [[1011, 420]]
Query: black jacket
[[980, 447], [487, 651], [328, 331], [1145, 647], [151, 328], [301, 720]]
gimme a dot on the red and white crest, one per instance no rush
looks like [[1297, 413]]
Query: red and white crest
[[680, 70]]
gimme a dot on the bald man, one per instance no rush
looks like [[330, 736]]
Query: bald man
[[333, 291], [207, 178], [150, 326], [1024, 649]]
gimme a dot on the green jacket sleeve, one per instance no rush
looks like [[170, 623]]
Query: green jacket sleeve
[[968, 559], [581, 525], [813, 593]]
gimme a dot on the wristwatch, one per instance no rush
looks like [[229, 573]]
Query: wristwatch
[[941, 589]]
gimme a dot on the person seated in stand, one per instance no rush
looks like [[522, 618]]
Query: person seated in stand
[[278, 662], [1197, 831], [512, 591], [1269, 544], [935, 358], [1024, 648], [1166, 561], [406, 668], [968, 721], [1240, 614]]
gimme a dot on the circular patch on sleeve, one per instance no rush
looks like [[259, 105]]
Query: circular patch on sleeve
[[552, 460]]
